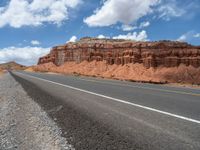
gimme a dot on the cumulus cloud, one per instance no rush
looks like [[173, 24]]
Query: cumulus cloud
[[124, 11], [72, 39], [23, 55], [128, 27], [144, 24], [141, 36], [130, 11], [102, 37], [188, 36], [169, 10], [131, 27], [35, 42], [182, 38], [197, 35], [18, 13]]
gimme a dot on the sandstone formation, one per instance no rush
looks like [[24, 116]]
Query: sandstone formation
[[121, 52], [154, 62]]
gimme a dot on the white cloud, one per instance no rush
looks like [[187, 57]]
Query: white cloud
[[197, 35], [23, 55], [124, 11], [141, 36], [182, 38], [20, 13], [128, 28], [35, 42], [72, 39], [144, 24], [103, 37], [188, 36], [131, 28], [170, 9], [130, 11]]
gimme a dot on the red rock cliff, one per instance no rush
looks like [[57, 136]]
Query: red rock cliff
[[150, 54]]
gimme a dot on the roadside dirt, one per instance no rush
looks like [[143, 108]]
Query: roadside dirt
[[23, 124]]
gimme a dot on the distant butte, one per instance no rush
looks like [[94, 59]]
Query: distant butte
[[152, 62], [120, 52]]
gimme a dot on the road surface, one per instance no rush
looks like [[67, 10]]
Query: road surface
[[108, 114]]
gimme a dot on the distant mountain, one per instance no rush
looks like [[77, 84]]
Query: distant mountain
[[12, 66]]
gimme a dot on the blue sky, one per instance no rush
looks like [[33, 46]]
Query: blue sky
[[29, 28]]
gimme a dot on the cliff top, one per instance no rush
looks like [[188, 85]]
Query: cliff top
[[163, 43], [97, 40]]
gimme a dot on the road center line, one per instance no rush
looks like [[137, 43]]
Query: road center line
[[140, 87], [116, 99]]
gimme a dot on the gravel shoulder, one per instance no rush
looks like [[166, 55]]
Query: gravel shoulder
[[23, 124]]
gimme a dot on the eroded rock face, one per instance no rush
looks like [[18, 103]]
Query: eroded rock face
[[120, 52]]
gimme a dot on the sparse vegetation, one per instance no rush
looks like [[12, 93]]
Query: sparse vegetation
[[12, 66]]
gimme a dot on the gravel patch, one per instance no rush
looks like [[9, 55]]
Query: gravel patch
[[23, 124]]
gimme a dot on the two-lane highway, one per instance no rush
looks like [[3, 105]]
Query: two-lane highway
[[110, 114]]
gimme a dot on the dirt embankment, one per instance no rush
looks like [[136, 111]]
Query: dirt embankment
[[133, 72], [2, 71]]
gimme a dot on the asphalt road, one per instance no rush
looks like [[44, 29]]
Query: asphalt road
[[108, 114]]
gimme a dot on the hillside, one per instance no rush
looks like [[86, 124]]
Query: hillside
[[12, 66]]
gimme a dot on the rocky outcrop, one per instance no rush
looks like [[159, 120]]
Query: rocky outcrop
[[120, 52]]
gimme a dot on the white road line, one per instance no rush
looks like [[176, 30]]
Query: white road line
[[116, 99], [142, 87]]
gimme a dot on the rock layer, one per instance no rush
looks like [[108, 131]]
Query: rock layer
[[120, 52]]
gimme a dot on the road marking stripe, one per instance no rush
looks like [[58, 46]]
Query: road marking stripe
[[140, 87], [117, 100]]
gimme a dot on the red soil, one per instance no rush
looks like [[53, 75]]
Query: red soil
[[134, 72]]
